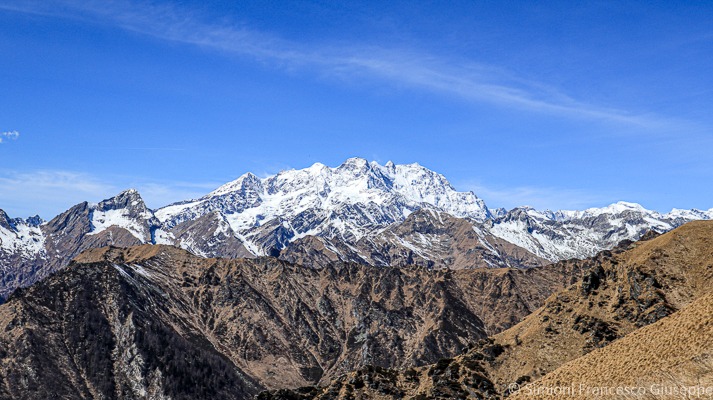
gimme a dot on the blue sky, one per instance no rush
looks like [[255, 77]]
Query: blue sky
[[551, 104]]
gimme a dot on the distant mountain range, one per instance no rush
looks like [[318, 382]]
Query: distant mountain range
[[358, 212]]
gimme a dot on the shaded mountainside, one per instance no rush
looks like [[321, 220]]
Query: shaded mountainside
[[101, 331], [630, 297], [427, 238], [124, 322]]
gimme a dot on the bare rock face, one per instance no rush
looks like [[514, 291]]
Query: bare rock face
[[158, 321], [209, 235]]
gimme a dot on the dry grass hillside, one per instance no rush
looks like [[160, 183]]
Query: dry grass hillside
[[621, 294], [676, 351]]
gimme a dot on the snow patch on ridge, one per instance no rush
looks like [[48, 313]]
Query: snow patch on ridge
[[102, 220], [25, 239]]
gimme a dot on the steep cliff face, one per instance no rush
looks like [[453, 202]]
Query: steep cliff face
[[154, 319]]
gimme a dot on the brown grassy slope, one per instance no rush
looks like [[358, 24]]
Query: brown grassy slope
[[675, 351], [621, 294], [502, 297]]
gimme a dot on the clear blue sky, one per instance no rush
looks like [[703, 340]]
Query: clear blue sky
[[557, 105]]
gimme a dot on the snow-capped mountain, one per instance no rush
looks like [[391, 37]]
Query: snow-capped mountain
[[344, 203], [359, 211], [128, 211], [579, 234], [18, 236], [32, 249]]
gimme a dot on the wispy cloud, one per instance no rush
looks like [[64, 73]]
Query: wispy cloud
[[463, 78], [541, 198], [9, 135], [49, 192]]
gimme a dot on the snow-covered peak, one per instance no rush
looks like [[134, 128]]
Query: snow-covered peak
[[527, 212], [19, 236], [130, 199], [498, 212], [689, 214], [348, 200], [565, 234], [356, 181], [248, 180], [355, 163], [612, 209], [617, 208], [126, 210]]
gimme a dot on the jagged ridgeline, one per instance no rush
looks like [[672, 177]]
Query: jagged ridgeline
[[358, 212]]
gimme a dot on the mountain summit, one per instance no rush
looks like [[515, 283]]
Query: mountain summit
[[347, 201]]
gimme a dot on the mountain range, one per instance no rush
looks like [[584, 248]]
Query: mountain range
[[155, 321], [360, 281], [360, 212]]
